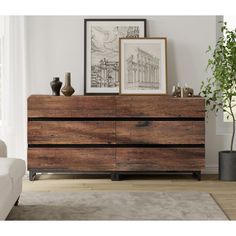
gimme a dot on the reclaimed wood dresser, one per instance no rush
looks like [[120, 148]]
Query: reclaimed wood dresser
[[115, 134]]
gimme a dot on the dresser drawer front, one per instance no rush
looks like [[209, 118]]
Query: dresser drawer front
[[160, 159], [160, 132], [71, 107], [159, 106], [114, 106], [71, 132], [73, 159]]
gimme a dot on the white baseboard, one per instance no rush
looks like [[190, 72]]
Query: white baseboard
[[211, 169]]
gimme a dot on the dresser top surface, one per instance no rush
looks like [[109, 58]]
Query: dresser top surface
[[112, 96]]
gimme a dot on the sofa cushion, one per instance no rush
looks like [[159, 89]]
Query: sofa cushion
[[15, 168]]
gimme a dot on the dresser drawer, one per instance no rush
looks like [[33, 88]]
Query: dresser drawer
[[159, 159], [159, 106], [71, 132], [73, 159], [160, 132], [71, 107]]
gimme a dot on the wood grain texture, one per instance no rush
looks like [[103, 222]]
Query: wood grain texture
[[159, 159], [72, 159], [160, 106], [160, 132], [74, 106], [71, 132], [116, 159], [131, 120], [115, 106]]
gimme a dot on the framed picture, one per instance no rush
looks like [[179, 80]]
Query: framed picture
[[143, 66], [102, 51]]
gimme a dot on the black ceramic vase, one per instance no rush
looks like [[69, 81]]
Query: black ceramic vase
[[227, 165], [67, 90], [56, 86]]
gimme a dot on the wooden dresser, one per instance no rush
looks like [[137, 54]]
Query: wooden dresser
[[115, 134]]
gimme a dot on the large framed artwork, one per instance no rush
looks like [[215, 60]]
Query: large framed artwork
[[101, 54], [143, 66]]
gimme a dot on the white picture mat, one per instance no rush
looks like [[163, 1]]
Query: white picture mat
[[89, 89], [162, 43]]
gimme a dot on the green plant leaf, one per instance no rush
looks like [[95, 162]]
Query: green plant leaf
[[220, 89]]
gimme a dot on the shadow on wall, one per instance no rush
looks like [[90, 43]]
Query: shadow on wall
[[3, 149]]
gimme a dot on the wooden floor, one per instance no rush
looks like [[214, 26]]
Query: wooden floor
[[223, 192]]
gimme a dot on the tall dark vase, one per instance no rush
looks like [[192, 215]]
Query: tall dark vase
[[67, 90], [56, 86], [227, 165]]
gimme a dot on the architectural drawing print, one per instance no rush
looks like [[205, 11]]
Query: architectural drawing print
[[105, 54], [142, 70], [102, 37], [143, 66]]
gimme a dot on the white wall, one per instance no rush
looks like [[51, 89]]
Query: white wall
[[55, 46]]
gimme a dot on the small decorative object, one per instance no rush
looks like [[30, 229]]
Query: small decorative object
[[56, 86], [102, 51], [67, 90], [182, 92], [143, 66], [176, 91], [187, 91]]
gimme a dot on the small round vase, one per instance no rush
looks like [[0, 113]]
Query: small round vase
[[56, 86], [67, 90]]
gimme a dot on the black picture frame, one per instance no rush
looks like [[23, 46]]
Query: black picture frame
[[142, 21]]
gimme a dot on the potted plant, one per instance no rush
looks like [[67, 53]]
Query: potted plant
[[220, 93]]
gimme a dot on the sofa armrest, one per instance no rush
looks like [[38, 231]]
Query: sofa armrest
[[15, 168]]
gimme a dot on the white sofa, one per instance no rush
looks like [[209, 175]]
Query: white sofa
[[11, 173]]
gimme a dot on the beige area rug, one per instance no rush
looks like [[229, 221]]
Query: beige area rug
[[117, 206]]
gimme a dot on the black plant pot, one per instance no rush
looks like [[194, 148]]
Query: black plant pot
[[227, 165]]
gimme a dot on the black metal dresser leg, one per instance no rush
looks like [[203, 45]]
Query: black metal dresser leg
[[115, 177], [197, 175], [32, 175]]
